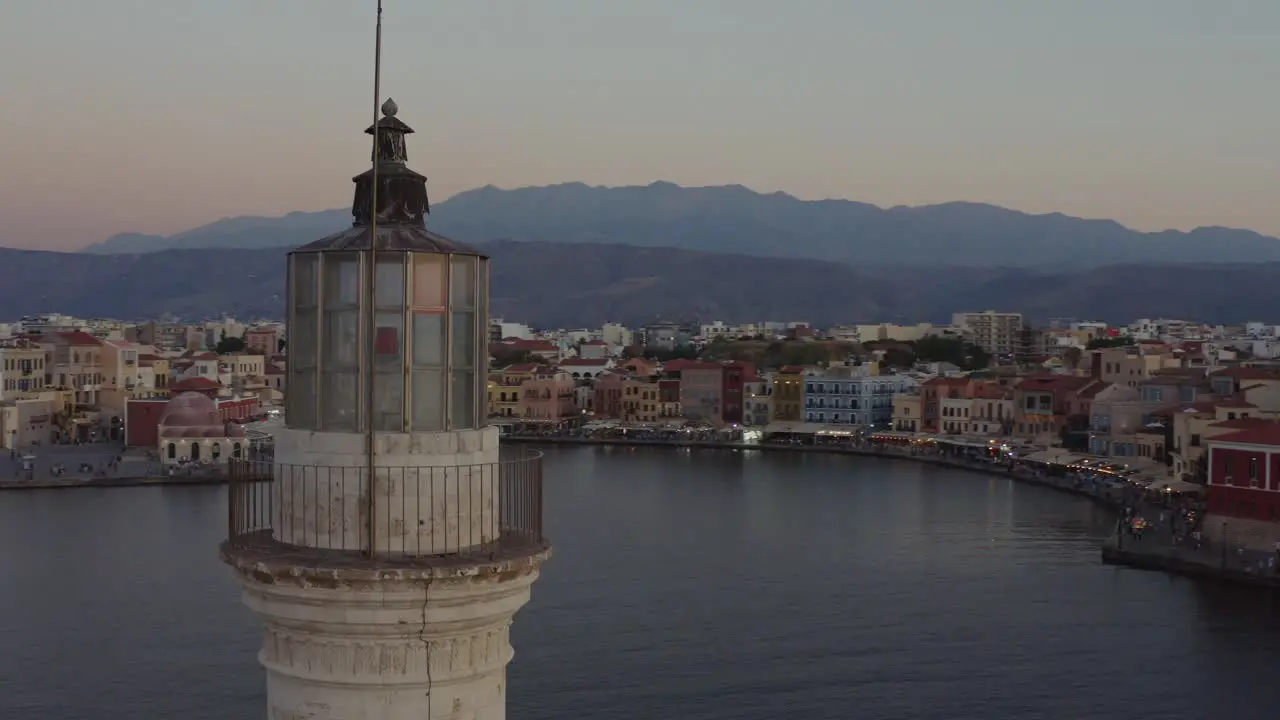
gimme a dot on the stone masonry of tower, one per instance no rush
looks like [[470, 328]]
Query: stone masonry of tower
[[404, 613]]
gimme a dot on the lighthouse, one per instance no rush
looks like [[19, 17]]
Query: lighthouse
[[385, 539]]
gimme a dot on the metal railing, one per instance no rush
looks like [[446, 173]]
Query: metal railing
[[420, 511]]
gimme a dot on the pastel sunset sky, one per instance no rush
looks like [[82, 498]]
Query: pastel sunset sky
[[161, 115]]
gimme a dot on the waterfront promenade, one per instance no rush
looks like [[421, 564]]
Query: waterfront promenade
[[1106, 495], [1217, 555]]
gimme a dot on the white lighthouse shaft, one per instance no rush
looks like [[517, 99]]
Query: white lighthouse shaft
[[348, 637]]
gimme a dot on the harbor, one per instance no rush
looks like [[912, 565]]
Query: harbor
[[1223, 551]]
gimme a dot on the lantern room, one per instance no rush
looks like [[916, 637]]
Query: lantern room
[[391, 298]]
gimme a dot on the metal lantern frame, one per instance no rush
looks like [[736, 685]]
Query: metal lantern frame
[[430, 342]]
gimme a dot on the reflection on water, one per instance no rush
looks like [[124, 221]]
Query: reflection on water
[[694, 585]]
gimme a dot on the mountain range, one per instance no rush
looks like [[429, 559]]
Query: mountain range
[[733, 219], [580, 285], [574, 255]]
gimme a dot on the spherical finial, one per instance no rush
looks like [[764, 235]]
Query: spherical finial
[[389, 108]]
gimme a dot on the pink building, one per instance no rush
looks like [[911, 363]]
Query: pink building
[[262, 341], [547, 398]]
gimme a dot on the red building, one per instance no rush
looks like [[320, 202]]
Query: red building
[[1244, 473], [608, 394], [733, 376]]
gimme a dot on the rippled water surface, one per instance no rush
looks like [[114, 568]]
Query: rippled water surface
[[689, 586]]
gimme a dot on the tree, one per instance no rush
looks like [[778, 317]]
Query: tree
[[1109, 342], [936, 348], [898, 357], [229, 345], [503, 357]]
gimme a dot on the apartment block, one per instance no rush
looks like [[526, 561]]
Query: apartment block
[[998, 333]]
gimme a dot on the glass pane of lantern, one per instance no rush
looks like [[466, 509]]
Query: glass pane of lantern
[[339, 399], [428, 339], [389, 401], [300, 397], [389, 341], [464, 340], [427, 396], [341, 340], [302, 339], [462, 282], [482, 398], [482, 296], [341, 280], [389, 285], [304, 280], [463, 412], [428, 280]]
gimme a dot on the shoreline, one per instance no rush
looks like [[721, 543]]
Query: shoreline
[[1151, 554], [110, 482], [1112, 500]]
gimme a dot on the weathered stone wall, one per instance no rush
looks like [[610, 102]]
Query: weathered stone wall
[[409, 646], [435, 493]]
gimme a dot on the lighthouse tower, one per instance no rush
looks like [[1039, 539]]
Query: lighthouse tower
[[386, 540]]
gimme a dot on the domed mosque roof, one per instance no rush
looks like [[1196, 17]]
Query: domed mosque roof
[[193, 415], [190, 409]]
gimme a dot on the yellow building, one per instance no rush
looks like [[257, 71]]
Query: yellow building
[[906, 412], [788, 395], [22, 368], [640, 401], [504, 388]]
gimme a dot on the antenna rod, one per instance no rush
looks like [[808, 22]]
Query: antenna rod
[[371, 280]]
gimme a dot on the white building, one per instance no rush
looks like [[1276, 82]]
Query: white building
[[998, 333]]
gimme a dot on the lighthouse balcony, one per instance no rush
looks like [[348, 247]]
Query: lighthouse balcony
[[407, 516]]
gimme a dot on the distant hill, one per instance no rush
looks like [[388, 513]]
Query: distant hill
[[566, 285], [734, 219]]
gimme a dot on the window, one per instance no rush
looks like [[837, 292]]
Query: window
[[1253, 472], [235, 450], [172, 451], [340, 340], [427, 343], [388, 407], [303, 333], [216, 451]]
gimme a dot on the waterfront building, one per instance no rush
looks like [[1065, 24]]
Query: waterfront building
[[852, 395], [192, 430], [712, 392], [986, 409], [547, 397], [640, 401], [669, 399], [1116, 417], [788, 394], [932, 392], [22, 368], [1047, 405], [1243, 494], [607, 394], [906, 411], [756, 402], [390, 544]]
